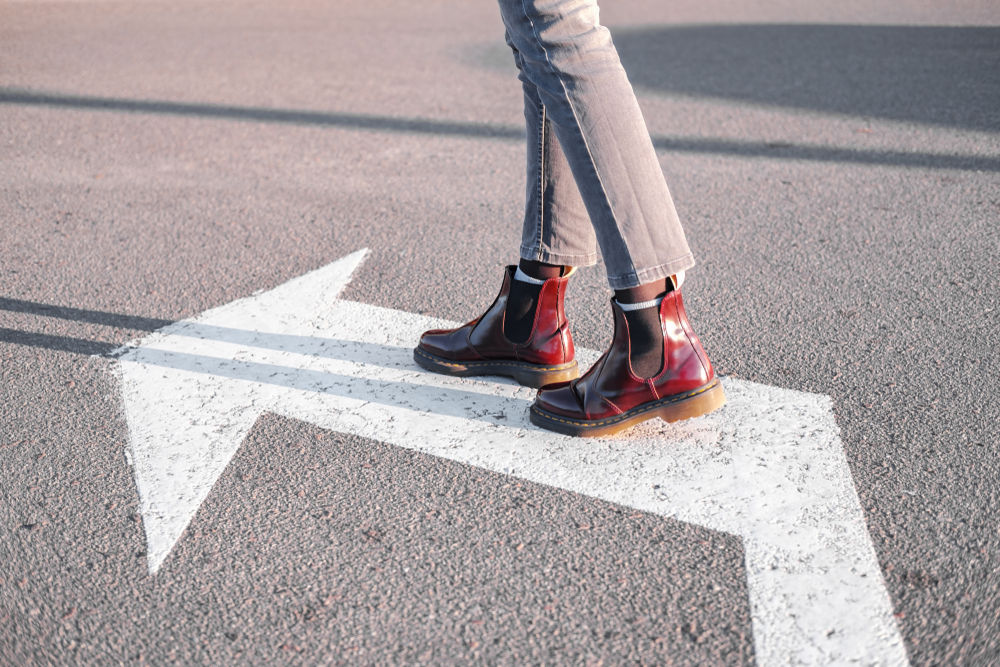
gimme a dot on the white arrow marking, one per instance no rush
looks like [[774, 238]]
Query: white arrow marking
[[768, 467]]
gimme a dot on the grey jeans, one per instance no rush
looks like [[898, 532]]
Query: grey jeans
[[591, 164]]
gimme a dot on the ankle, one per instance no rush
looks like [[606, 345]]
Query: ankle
[[644, 293], [541, 270]]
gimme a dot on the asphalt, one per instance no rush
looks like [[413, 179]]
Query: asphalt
[[837, 170]]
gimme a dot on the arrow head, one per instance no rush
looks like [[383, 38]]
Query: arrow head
[[189, 402]]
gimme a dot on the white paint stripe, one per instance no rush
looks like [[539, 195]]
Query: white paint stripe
[[768, 467]]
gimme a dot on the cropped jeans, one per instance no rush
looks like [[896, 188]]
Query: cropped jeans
[[593, 175]]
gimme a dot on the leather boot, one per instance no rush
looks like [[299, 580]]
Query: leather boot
[[610, 398], [481, 348]]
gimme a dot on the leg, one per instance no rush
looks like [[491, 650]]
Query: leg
[[524, 333], [569, 59], [656, 366], [557, 229]]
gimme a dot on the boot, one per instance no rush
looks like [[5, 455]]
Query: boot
[[610, 398], [481, 348]]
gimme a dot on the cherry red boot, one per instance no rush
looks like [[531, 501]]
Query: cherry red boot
[[481, 348], [610, 398]]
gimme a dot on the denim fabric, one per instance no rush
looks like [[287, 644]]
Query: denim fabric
[[591, 163]]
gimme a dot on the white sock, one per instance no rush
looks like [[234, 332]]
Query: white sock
[[525, 278], [641, 304]]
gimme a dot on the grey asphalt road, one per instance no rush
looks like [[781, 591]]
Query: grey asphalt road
[[837, 170]]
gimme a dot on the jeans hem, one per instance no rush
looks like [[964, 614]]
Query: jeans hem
[[643, 276], [539, 255]]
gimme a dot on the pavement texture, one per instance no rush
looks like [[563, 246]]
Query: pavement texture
[[837, 170]]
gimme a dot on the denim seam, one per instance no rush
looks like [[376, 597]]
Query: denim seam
[[541, 177], [586, 144]]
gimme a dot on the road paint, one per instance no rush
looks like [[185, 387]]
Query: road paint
[[768, 467]]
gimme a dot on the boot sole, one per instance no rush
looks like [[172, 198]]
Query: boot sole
[[529, 375], [688, 405]]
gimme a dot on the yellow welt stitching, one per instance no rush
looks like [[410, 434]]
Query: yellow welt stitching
[[494, 363], [582, 422]]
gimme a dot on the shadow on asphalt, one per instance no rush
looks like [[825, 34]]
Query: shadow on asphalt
[[350, 121], [81, 315], [373, 123], [443, 400], [927, 74], [67, 343]]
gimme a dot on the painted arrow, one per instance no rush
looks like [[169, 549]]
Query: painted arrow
[[768, 467]]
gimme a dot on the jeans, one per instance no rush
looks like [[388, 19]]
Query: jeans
[[593, 175]]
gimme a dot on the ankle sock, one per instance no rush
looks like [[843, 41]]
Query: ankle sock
[[524, 277], [639, 306], [522, 300]]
